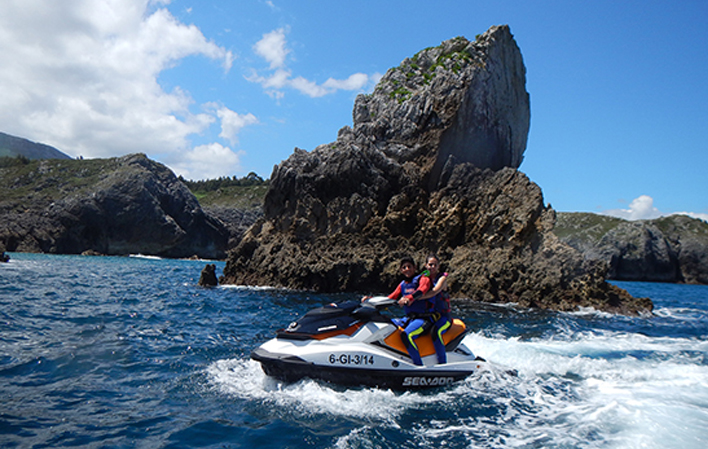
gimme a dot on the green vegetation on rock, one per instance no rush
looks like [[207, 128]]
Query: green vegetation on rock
[[114, 206], [245, 193], [584, 226], [51, 179], [235, 197]]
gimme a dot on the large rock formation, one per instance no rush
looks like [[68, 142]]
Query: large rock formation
[[235, 220], [115, 206], [667, 249], [428, 165]]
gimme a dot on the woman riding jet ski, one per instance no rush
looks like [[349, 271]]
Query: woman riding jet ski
[[352, 343]]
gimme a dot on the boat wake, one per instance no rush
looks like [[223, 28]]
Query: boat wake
[[593, 391], [244, 379]]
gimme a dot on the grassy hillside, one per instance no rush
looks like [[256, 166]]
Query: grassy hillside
[[11, 146], [666, 249], [233, 197], [24, 182], [245, 193], [590, 228], [584, 227]]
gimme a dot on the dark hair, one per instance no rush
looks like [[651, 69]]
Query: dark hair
[[407, 259], [434, 256]]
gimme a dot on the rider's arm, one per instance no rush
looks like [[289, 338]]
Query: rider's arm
[[396, 293], [424, 285], [439, 286]]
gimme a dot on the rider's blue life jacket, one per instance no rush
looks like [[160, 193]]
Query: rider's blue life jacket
[[418, 306]]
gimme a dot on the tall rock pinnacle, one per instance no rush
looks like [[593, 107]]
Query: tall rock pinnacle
[[429, 164]]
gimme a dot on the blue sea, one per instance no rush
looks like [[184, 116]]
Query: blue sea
[[130, 353]]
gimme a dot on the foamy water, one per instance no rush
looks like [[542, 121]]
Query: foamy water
[[597, 390]]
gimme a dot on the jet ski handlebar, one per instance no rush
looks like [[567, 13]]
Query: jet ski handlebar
[[380, 302]]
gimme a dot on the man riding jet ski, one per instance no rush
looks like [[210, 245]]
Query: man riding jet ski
[[352, 343]]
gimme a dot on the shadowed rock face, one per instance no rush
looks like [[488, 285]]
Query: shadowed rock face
[[430, 164], [136, 206], [667, 249]]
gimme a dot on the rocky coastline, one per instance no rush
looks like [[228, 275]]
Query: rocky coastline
[[667, 249], [429, 165], [118, 206]]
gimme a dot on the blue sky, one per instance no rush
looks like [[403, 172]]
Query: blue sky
[[619, 101]]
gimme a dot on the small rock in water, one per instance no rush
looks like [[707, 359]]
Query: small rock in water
[[208, 276]]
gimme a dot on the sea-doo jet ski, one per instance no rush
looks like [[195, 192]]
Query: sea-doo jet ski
[[353, 344]]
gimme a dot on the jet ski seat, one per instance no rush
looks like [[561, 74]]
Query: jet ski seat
[[451, 338]]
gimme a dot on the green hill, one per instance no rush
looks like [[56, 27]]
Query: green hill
[[11, 146]]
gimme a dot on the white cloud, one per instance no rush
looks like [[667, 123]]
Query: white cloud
[[83, 76], [232, 123], [273, 48], [642, 208], [354, 82], [277, 80], [307, 87], [205, 162]]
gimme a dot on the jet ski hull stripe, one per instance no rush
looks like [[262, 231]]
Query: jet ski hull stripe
[[291, 369]]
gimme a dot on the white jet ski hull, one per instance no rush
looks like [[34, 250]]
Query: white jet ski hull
[[363, 352]]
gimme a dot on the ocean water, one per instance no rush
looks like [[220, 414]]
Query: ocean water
[[130, 352]]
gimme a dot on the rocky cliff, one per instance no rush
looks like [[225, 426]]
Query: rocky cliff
[[115, 206], [430, 164], [667, 249]]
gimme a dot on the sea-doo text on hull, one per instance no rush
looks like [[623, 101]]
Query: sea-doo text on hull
[[354, 344]]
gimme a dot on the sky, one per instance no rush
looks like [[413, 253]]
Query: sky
[[211, 88]]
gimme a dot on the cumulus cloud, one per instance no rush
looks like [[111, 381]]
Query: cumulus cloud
[[232, 123], [83, 76], [198, 162], [354, 82], [273, 48], [642, 208]]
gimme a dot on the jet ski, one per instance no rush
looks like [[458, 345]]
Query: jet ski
[[354, 344]]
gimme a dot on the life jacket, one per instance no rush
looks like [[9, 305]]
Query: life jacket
[[419, 306], [441, 301], [408, 287]]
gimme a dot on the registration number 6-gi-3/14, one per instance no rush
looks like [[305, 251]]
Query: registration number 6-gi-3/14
[[351, 359]]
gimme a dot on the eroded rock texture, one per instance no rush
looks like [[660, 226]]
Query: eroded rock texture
[[430, 164]]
